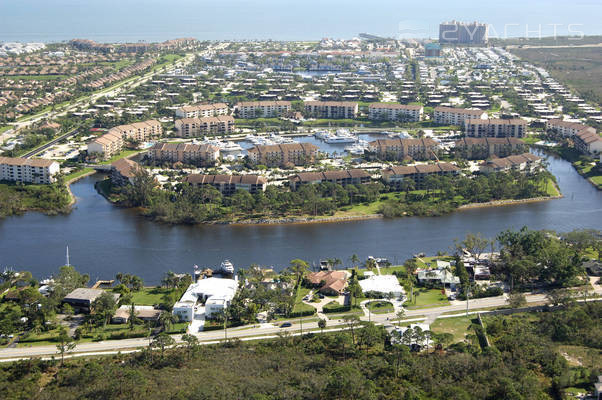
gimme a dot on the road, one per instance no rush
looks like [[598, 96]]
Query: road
[[268, 330], [47, 145]]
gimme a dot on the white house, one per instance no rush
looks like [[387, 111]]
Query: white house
[[382, 284], [215, 293]]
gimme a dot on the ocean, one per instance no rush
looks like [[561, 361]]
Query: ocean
[[154, 20]]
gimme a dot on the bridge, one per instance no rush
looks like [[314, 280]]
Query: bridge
[[99, 167]]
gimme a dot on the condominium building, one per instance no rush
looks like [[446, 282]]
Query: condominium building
[[395, 175], [526, 162], [28, 170], [112, 142], [343, 178], [482, 148], [500, 128], [567, 128], [455, 32], [187, 153], [192, 127], [229, 184], [202, 110], [332, 109], [283, 154], [266, 109], [123, 171], [395, 112], [456, 116], [588, 142], [398, 149]]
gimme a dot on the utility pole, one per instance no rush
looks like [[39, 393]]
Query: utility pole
[[301, 324], [467, 294]]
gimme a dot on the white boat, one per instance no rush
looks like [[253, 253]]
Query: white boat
[[230, 146], [226, 267], [322, 134], [341, 136]]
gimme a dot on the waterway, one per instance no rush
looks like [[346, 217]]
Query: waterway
[[104, 239]]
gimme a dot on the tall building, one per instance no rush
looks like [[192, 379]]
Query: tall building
[[455, 32], [202, 110], [500, 128], [432, 50], [112, 142], [283, 154], [398, 148], [187, 153], [191, 127], [456, 116], [332, 109], [266, 109], [395, 112], [28, 170]]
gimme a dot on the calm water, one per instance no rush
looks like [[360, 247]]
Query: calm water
[[156, 20], [104, 239]]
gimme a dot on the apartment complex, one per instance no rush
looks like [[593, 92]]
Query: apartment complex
[[28, 170], [283, 154], [395, 112], [332, 109], [500, 128], [112, 142], [526, 162], [267, 109], [395, 175], [193, 127], [343, 178], [398, 149], [455, 32], [588, 142], [202, 110], [482, 148], [567, 128], [229, 184], [456, 116], [123, 171], [187, 153]]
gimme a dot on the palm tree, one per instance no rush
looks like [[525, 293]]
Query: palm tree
[[354, 260], [166, 320]]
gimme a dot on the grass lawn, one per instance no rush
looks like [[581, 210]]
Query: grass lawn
[[124, 153], [380, 307], [77, 174], [149, 296], [179, 327], [365, 209], [5, 128], [36, 77], [426, 298], [550, 188], [457, 326], [300, 306]]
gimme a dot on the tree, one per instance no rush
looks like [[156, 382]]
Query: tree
[[516, 300], [475, 244], [65, 344], [352, 322], [321, 324], [104, 307], [401, 314], [166, 320], [162, 341], [192, 343], [299, 268], [132, 318], [354, 260]]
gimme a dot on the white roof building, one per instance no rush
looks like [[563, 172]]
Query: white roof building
[[215, 292], [382, 284]]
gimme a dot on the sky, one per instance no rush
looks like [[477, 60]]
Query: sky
[[151, 20]]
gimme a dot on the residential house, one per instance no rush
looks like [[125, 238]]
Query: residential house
[[123, 171], [526, 162], [329, 282]]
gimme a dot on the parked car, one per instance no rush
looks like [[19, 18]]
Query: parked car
[[286, 325]]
